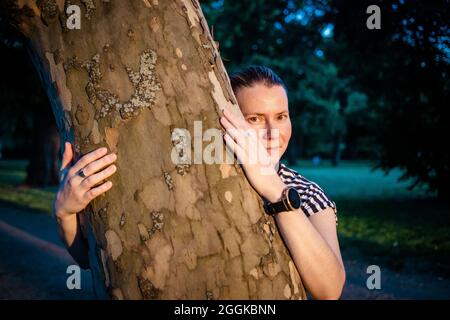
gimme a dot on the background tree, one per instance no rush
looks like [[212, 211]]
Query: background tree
[[365, 94], [407, 82], [28, 128], [290, 38]]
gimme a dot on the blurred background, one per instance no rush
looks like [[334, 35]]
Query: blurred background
[[369, 110]]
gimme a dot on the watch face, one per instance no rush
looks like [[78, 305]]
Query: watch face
[[294, 198]]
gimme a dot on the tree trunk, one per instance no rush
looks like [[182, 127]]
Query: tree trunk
[[337, 150], [44, 159], [135, 72]]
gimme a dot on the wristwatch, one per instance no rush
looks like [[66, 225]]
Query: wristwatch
[[290, 201]]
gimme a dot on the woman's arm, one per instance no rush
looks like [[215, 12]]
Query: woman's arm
[[70, 234], [76, 192], [314, 247], [313, 242]]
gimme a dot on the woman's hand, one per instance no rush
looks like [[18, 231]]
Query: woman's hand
[[75, 192], [258, 165]]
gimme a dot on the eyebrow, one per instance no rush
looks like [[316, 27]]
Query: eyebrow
[[261, 114]]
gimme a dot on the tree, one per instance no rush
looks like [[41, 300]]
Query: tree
[[404, 69], [27, 124], [134, 73], [289, 37]]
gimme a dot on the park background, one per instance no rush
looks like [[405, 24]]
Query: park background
[[369, 114]]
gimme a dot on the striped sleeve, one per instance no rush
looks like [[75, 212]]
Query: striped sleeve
[[312, 195]]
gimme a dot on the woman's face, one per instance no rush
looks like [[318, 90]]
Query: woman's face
[[267, 108]]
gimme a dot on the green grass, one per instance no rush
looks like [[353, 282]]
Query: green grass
[[12, 189], [357, 180], [380, 219]]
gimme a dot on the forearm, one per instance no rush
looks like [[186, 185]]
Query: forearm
[[320, 269], [70, 234]]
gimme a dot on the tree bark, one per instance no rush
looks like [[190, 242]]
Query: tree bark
[[134, 72]]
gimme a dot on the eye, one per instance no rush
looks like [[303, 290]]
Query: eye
[[253, 119], [282, 116]]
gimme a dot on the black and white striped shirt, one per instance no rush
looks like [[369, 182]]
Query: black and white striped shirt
[[313, 197]]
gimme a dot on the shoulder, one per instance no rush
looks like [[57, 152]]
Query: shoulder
[[314, 198]]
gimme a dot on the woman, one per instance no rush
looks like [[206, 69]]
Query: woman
[[309, 232]]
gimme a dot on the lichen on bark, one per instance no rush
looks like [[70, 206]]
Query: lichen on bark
[[145, 83], [181, 143]]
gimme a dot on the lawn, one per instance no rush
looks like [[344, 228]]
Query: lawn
[[12, 190], [379, 218]]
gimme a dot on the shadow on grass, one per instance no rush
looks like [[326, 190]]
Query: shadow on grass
[[32, 198], [13, 189], [409, 235], [6, 205], [398, 259]]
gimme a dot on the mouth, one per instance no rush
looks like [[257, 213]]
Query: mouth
[[272, 149], [273, 146]]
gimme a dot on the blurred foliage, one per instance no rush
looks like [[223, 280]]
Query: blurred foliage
[[24, 104], [404, 70], [354, 93], [271, 33], [370, 94]]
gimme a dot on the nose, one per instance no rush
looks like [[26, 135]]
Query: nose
[[271, 130]]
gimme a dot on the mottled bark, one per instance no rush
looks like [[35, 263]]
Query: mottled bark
[[134, 72]]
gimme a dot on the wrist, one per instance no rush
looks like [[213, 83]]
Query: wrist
[[61, 215], [276, 191], [66, 220]]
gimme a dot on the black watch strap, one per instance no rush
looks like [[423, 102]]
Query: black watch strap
[[290, 200], [272, 208]]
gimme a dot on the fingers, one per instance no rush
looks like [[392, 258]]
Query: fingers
[[99, 164], [244, 137], [243, 140], [239, 132], [234, 147], [88, 158], [67, 155], [226, 123], [236, 121], [92, 180], [229, 121], [95, 192]]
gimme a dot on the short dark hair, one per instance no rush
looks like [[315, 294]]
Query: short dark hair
[[252, 75]]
